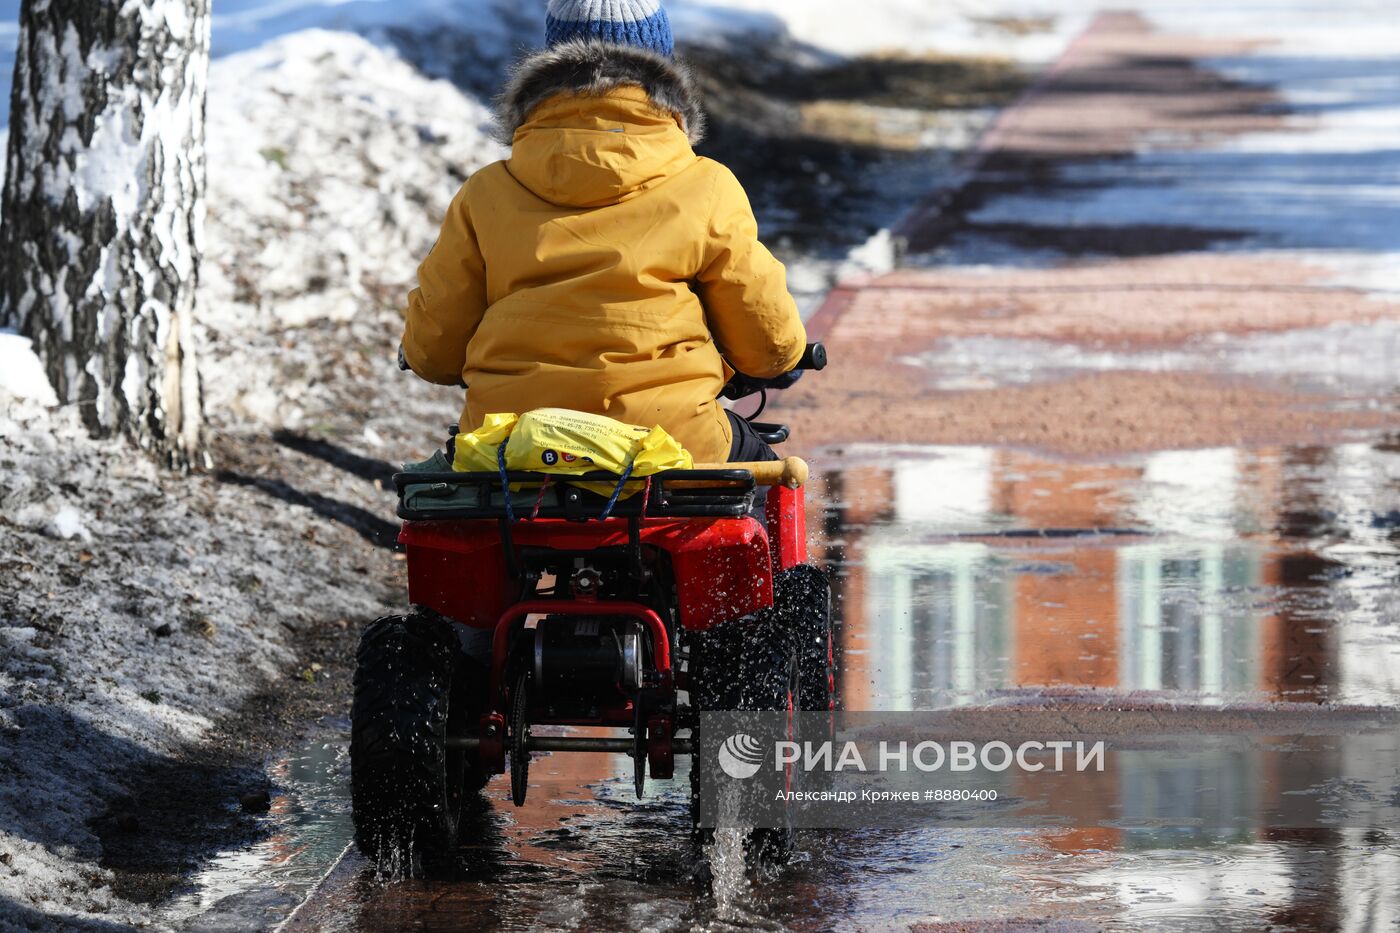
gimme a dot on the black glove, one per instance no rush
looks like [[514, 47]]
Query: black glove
[[740, 386], [786, 380]]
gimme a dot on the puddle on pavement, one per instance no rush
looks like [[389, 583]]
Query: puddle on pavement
[[966, 576], [308, 827], [972, 575]]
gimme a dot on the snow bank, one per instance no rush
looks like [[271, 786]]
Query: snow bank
[[136, 607], [331, 165], [126, 626]]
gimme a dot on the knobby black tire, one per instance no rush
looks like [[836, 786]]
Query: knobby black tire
[[413, 687], [747, 665], [802, 597]]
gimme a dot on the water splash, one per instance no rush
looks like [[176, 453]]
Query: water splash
[[728, 880]]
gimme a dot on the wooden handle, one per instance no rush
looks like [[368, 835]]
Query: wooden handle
[[791, 472]]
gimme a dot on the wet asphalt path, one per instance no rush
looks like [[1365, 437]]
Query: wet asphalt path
[[1119, 441]]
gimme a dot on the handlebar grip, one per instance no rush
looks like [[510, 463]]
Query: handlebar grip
[[814, 357]]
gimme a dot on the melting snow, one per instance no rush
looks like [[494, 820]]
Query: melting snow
[[21, 373]]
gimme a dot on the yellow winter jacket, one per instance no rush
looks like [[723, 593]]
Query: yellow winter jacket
[[605, 268]]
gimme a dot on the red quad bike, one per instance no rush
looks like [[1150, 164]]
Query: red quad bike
[[555, 606]]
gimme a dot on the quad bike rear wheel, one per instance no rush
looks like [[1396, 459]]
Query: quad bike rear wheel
[[413, 687], [802, 599], [746, 665], [782, 659]]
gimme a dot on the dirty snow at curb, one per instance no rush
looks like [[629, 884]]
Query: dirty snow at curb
[[137, 606]]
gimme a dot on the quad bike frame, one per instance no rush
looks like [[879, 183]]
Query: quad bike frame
[[683, 555], [541, 601]]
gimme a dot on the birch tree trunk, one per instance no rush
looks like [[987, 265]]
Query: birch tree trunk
[[103, 210]]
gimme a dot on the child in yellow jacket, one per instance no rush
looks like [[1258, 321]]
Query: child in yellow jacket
[[604, 267]]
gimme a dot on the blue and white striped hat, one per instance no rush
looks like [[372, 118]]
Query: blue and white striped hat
[[639, 23]]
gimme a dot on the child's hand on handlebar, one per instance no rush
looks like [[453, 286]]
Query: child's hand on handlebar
[[740, 385]]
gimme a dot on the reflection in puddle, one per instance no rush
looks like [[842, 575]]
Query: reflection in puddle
[[1285, 880], [972, 575], [309, 823], [1199, 576], [975, 619]]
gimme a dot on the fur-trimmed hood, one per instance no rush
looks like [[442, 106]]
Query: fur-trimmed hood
[[593, 69]]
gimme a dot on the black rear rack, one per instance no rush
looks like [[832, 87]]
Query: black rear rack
[[673, 494]]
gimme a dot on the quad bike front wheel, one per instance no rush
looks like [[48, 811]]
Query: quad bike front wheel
[[413, 687]]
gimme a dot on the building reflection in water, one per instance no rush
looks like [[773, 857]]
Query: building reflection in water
[[1177, 629], [1205, 577]]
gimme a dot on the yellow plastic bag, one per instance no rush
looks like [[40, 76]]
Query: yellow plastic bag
[[476, 452], [560, 441]]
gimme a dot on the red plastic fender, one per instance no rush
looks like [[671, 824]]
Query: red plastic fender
[[786, 511]]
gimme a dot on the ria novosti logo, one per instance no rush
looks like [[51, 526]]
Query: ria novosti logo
[[741, 756]]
